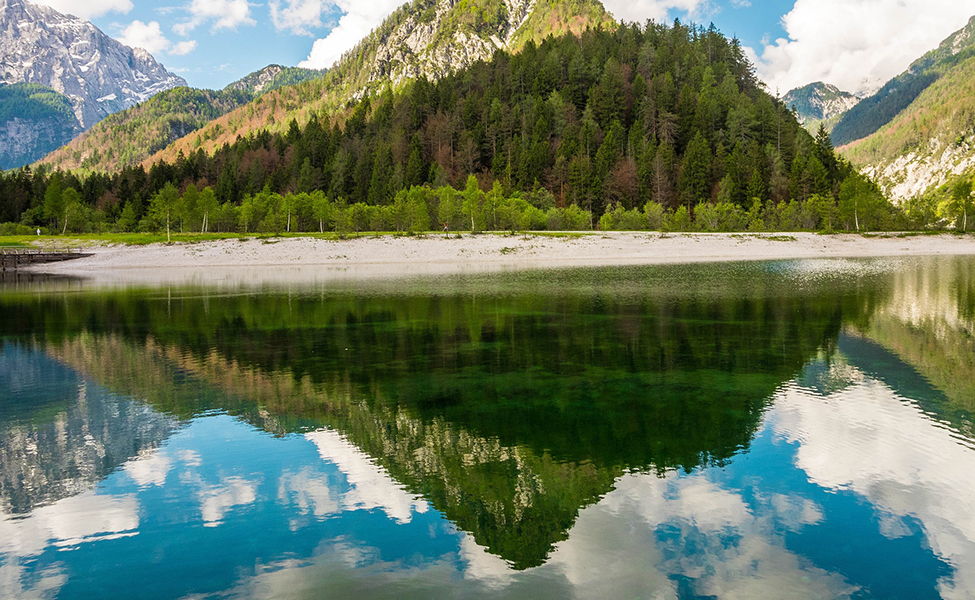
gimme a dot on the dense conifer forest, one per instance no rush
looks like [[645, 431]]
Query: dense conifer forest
[[641, 127]]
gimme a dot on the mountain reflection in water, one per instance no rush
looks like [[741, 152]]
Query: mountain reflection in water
[[717, 430]]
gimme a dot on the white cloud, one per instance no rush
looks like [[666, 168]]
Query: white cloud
[[358, 20], [612, 550], [856, 45], [224, 14], [309, 492], [640, 10], [299, 16], [149, 36], [183, 48], [216, 501], [853, 439], [69, 522], [149, 468], [371, 487], [88, 9]]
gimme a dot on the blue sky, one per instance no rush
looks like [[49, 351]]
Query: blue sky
[[855, 44]]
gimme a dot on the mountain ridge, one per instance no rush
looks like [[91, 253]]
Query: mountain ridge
[[381, 59], [819, 102], [932, 139], [94, 73], [99, 74], [271, 78], [132, 135], [896, 95]]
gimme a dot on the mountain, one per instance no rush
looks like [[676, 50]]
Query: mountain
[[132, 135], [432, 38], [930, 138], [819, 102], [426, 38], [97, 74], [563, 133], [34, 120], [874, 112], [273, 77]]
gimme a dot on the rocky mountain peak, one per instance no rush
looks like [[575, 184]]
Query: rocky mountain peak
[[257, 81], [97, 73], [431, 38], [961, 39], [819, 101], [272, 77]]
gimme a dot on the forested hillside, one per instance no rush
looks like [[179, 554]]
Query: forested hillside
[[129, 137], [931, 141], [425, 38], [630, 123], [900, 92], [133, 135]]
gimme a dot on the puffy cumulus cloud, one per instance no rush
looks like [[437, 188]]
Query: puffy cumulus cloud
[[856, 45], [89, 9], [183, 48], [358, 19], [223, 14], [217, 500], [613, 549], [309, 492], [371, 486], [853, 439], [149, 469], [640, 10], [149, 37], [298, 16], [69, 522]]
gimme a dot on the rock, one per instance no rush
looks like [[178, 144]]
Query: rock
[[99, 74], [23, 141]]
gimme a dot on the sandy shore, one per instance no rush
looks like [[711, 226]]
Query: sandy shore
[[309, 260]]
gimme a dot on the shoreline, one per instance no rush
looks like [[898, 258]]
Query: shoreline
[[293, 260]]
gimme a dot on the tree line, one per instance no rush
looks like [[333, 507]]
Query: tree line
[[645, 119]]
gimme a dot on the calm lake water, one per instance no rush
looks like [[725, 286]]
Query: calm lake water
[[789, 429]]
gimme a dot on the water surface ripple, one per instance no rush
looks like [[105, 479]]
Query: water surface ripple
[[788, 429]]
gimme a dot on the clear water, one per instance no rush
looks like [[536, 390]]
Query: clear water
[[792, 429]]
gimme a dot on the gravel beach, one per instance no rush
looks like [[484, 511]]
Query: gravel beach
[[264, 261]]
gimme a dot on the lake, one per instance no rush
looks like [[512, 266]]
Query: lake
[[786, 429]]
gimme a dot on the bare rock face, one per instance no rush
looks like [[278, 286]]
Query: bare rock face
[[99, 74], [425, 44], [819, 101], [256, 82], [25, 140]]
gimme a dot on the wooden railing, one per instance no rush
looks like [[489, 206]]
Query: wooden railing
[[25, 250], [12, 257]]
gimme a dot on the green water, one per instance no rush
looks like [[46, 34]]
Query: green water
[[785, 428]]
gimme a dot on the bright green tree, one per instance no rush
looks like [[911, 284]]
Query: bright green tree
[[960, 202], [473, 200], [54, 201], [163, 205], [206, 204], [73, 208]]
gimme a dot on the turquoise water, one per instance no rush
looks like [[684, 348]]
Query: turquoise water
[[782, 429]]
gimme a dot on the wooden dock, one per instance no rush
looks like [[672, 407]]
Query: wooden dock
[[13, 258]]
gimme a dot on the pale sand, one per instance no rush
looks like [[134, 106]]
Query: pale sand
[[310, 260]]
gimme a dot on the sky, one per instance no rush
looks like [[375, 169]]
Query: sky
[[856, 45]]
